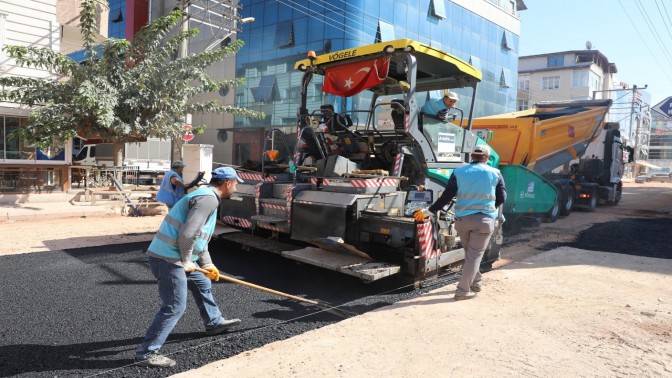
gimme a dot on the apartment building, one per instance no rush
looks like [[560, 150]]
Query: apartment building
[[566, 75], [24, 168]]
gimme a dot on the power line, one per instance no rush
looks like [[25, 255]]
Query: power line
[[653, 29], [663, 69], [663, 17]]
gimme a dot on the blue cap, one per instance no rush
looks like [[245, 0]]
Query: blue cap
[[225, 173]]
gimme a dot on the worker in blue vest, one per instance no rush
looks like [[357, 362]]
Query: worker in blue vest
[[173, 187], [178, 248], [440, 107], [479, 190]]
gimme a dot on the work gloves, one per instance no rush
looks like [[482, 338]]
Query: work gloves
[[445, 116], [196, 181], [188, 266], [421, 214], [213, 272]]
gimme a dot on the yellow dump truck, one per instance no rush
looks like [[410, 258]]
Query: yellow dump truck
[[568, 144]]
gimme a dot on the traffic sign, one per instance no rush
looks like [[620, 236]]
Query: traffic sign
[[187, 133], [664, 107]]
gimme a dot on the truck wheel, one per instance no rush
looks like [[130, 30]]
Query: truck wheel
[[492, 253], [553, 214], [567, 203], [512, 226], [617, 196]]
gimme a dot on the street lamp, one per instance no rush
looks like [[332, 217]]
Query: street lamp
[[246, 20]]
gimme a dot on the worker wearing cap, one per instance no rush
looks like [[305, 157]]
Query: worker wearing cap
[[177, 249], [440, 107], [479, 191], [173, 187]]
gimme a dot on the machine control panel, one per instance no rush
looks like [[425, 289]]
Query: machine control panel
[[417, 200]]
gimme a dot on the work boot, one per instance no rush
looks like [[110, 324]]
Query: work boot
[[223, 327], [156, 360], [461, 297]]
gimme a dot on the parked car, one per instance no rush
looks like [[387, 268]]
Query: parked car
[[662, 175]]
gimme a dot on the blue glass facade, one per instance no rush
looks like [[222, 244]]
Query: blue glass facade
[[116, 25], [285, 30]]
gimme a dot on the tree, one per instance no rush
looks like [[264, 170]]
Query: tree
[[123, 91]]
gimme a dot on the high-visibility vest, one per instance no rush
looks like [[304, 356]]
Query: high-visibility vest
[[165, 241], [167, 193], [476, 190]]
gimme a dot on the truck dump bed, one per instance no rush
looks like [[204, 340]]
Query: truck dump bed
[[546, 137]]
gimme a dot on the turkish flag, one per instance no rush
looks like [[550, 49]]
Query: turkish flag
[[349, 79]]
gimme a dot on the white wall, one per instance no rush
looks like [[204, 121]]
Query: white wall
[[26, 23]]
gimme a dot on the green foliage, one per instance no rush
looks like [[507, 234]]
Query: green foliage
[[123, 90]]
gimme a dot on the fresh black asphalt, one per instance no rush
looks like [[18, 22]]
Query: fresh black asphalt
[[82, 312]]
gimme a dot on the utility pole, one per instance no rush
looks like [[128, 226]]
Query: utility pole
[[635, 136]]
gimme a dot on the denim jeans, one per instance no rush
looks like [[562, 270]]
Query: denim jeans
[[173, 285]]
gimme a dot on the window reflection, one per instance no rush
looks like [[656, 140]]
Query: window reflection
[[14, 147]]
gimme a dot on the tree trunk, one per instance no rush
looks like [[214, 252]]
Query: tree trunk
[[118, 151]]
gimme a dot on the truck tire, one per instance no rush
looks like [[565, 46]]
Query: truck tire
[[617, 196], [554, 213], [567, 202], [492, 253], [512, 226]]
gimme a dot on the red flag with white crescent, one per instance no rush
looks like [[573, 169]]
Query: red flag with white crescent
[[349, 79]]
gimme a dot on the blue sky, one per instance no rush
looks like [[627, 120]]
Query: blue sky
[[635, 35]]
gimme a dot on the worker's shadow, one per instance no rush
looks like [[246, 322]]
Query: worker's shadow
[[81, 359]]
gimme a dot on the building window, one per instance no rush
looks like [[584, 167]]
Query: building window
[[267, 90], [595, 82], [385, 32], [475, 61], [523, 104], [550, 82], [579, 78], [507, 40], [524, 85], [284, 34], [293, 93], [556, 61], [437, 8], [505, 78]]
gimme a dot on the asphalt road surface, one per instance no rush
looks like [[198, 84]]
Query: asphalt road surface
[[82, 312]]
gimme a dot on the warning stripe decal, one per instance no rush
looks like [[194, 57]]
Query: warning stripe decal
[[237, 222]]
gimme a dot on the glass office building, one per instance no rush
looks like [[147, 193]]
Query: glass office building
[[484, 33]]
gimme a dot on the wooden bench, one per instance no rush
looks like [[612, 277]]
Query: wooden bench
[[136, 197]]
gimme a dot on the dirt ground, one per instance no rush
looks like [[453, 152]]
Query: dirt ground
[[548, 309]]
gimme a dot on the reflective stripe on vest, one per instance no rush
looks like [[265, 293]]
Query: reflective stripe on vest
[[167, 194], [476, 190], [164, 242]]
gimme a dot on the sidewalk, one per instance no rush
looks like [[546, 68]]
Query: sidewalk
[[10, 212]]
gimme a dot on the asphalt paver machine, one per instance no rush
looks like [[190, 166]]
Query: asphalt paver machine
[[343, 196]]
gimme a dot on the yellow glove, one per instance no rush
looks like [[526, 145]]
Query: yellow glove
[[213, 274], [421, 214], [188, 266]]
